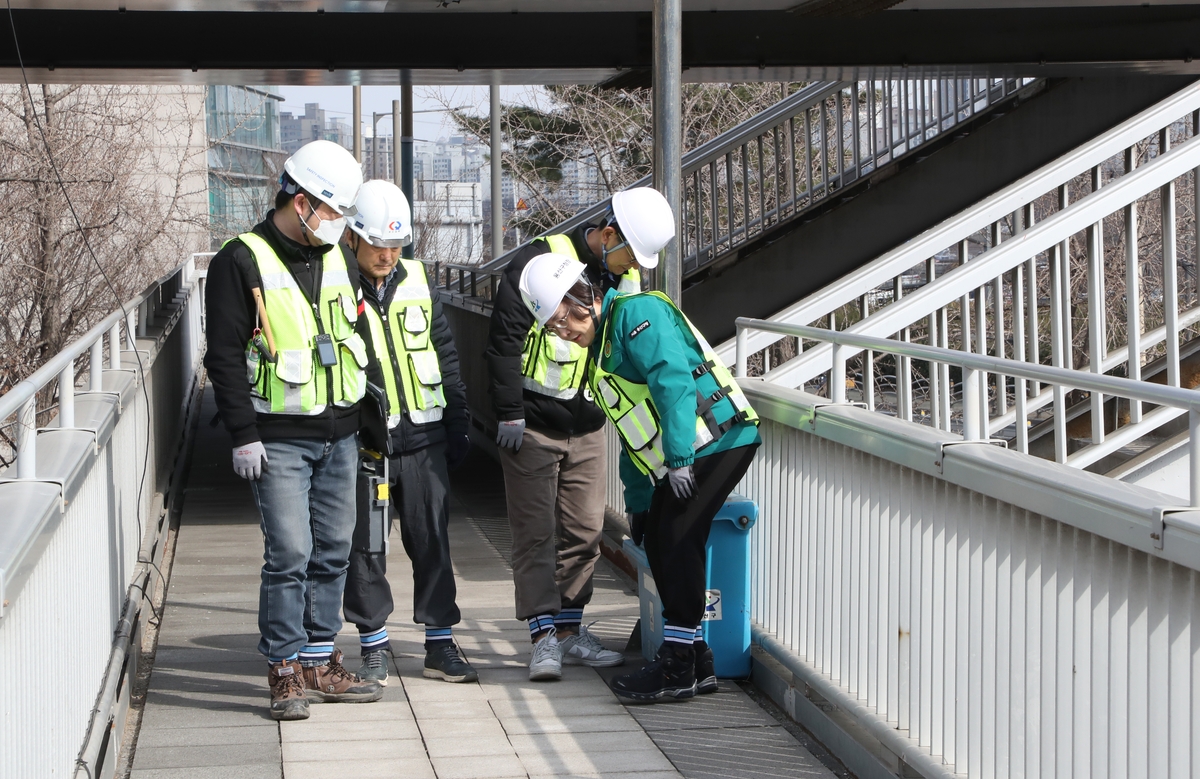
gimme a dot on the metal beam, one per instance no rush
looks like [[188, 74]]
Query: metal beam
[[406, 156], [731, 45], [497, 175], [357, 120], [668, 133]]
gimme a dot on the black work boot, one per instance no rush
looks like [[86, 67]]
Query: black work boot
[[670, 676], [706, 677], [443, 661]]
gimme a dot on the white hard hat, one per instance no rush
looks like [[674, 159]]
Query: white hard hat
[[645, 220], [383, 217], [326, 171], [545, 281]]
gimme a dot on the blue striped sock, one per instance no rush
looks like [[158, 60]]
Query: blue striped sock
[[699, 634], [377, 639], [278, 660], [438, 635], [569, 618], [540, 623], [315, 654], [679, 634]]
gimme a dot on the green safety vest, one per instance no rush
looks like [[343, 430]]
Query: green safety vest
[[412, 374], [550, 365], [296, 383], [630, 407]]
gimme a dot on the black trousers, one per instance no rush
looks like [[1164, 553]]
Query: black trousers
[[420, 489], [677, 531]]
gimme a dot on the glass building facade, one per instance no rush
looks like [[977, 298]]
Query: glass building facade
[[245, 157]]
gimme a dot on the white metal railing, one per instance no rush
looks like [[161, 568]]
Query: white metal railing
[[980, 616], [1171, 401], [83, 524], [1025, 293]]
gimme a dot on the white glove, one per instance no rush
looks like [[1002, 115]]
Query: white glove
[[510, 434], [249, 460], [683, 483]]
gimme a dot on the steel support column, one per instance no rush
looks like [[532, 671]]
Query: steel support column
[[357, 119], [396, 144], [668, 134], [497, 171], [406, 154]]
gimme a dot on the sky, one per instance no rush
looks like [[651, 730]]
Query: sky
[[430, 121]]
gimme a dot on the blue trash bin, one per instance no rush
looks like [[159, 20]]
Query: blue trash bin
[[726, 623]]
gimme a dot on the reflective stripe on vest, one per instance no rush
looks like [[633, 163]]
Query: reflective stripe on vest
[[401, 335], [550, 365], [296, 383], [631, 408]]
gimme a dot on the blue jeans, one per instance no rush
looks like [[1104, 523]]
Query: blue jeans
[[306, 499]]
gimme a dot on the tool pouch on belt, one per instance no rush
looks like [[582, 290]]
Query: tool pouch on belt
[[373, 432], [374, 504]]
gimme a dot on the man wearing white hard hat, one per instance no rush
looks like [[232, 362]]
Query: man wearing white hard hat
[[550, 433], [689, 435], [289, 358], [427, 432]]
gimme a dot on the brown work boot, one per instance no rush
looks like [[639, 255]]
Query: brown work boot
[[288, 700], [332, 683]]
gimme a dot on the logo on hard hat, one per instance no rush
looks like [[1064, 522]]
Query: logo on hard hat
[[326, 193], [395, 226]]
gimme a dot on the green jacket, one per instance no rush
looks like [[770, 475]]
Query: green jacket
[[652, 346]]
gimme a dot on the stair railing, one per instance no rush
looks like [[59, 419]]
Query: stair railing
[[803, 151], [1027, 293]]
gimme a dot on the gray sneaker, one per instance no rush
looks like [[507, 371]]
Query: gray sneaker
[[586, 649], [547, 659], [374, 666]]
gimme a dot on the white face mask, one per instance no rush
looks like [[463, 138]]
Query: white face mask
[[328, 231]]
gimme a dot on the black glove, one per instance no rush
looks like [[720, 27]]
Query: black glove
[[458, 445], [637, 526]]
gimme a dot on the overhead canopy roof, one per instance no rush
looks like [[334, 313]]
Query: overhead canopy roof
[[585, 41]]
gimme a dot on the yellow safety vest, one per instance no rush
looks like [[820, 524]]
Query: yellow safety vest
[[630, 406], [296, 383], [550, 365], [401, 334]]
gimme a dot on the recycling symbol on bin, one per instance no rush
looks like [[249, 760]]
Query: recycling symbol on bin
[[712, 605]]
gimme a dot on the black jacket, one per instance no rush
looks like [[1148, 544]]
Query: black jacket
[[510, 324], [408, 437], [230, 313]]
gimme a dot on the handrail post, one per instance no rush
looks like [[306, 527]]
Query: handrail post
[[740, 369], [27, 439], [96, 365], [970, 411], [114, 347], [66, 396], [837, 375], [131, 328], [1194, 454]]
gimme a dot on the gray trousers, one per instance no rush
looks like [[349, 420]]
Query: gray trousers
[[421, 499], [555, 492]]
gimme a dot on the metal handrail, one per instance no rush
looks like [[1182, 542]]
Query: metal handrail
[[974, 366], [841, 145], [21, 399], [849, 289]]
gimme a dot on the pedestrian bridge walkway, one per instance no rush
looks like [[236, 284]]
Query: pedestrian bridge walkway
[[205, 713]]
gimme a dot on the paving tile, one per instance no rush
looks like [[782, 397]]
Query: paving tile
[[589, 753], [327, 752], [409, 768], [480, 709], [359, 712], [516, 725], [431, 690], [491, 766], [605, 703], [255, 771], [266, 733], [488, 727], [468, 746], [183, 756], [363, 729]]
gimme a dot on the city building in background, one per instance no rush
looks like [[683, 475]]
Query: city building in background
[[313, 125], [245, 157], [448, 222]]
